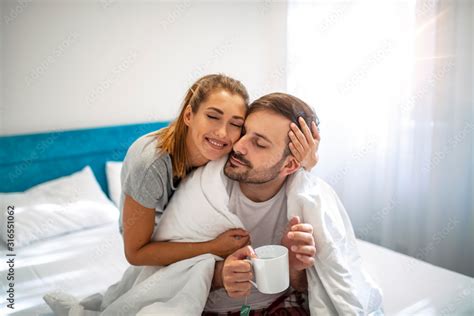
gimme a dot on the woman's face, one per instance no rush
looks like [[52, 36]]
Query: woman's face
[[217, 124]]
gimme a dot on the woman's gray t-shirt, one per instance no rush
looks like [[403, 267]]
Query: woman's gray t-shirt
[[147, 176]]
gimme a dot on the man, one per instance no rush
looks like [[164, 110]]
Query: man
[[259, 165]]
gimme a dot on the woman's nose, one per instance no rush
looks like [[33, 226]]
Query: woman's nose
[[222, 131]]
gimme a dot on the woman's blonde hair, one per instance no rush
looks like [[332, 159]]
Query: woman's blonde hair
[[172, 139]]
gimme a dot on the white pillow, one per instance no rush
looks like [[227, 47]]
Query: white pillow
[[113, 170], [56, 207]]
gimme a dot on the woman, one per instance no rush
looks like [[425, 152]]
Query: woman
[[210, 122]]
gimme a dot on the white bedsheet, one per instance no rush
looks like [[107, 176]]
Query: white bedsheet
[[79, 263], [414, 287], [89, 261]]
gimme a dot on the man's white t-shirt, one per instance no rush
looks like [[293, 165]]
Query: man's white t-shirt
[[266, 223]]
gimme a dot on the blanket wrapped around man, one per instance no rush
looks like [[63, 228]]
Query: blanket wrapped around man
[[198, 211]]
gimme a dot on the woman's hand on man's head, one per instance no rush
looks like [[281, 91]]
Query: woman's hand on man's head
[[304, 144]]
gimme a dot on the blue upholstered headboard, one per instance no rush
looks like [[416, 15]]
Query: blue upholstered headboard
[[27, 160]]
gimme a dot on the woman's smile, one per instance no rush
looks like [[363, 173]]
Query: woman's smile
[[216, 144]]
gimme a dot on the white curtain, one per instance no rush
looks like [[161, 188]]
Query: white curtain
[[392, 83]]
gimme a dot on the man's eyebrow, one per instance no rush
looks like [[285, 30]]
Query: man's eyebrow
[[262, 136], [222, 112]]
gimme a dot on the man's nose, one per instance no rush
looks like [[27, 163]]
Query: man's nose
[[240, 146]]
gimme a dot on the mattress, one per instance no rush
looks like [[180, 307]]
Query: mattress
[[414, 287], [89, 261], [80, 263]]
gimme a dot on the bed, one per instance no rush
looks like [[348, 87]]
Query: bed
[[87, 261]]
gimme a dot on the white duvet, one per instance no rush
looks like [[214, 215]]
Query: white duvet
[[198, 211]]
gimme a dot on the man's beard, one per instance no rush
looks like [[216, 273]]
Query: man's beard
[[250, 175]]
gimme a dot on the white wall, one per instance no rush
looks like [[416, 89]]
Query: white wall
[[77, 64]]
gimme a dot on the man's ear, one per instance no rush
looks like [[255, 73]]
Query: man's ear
[[291, 166], [188, 115]]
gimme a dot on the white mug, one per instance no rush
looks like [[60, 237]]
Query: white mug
[[271, 269]]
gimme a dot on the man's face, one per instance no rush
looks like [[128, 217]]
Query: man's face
[[259, 155]]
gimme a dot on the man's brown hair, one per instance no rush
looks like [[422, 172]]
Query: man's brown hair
[[287, 105]]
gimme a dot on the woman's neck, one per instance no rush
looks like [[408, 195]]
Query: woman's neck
[[195, 158]]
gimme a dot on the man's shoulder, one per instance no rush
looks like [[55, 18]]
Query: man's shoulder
[[303, 182]]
